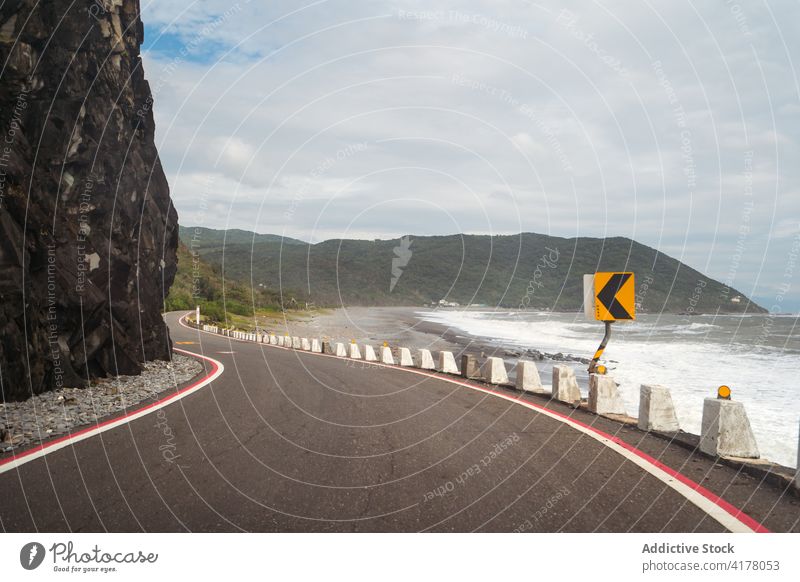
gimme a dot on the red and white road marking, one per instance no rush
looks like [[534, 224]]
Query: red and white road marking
[[730, 517], [45, 448]]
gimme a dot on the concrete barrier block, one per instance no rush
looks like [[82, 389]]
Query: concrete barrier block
[[316, 346], [565, 385], [305, 344], [494, 371], [369, 353], [726, 431], [656, 411], [425, 360], [273, 341], [355, 351], [340, 351], [604, 397], [528, 379], [447, 363], [296, 342], [469, 367], [386, 355], [405, 357]]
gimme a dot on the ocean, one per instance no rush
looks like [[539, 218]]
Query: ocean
[[758, 356]]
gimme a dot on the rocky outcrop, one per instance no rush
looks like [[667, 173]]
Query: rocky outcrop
[[88, 235]]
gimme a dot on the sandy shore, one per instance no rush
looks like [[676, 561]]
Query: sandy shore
[[403, 326]]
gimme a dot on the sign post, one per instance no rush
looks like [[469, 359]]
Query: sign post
[[608, 297]]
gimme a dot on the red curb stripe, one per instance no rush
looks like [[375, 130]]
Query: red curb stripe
[[96, 427]]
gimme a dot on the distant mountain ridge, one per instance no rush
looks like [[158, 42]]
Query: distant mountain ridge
[[210, 238], [524, 271]]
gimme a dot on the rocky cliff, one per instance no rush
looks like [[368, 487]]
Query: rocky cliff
[[88, 234]]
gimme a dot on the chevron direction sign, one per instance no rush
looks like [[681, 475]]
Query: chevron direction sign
[[609, 296]]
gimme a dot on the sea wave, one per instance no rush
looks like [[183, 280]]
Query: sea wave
[[692, 359]]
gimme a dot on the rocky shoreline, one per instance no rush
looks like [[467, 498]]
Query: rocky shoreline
[[60, 411]]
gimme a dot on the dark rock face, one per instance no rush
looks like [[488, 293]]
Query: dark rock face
[[88, 235]]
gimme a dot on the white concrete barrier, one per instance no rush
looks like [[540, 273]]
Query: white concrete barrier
[[295, 342], [726, 431], [447, 363], [425, 360], [316, 346], [273, 340], [494, 371], [405, 357], [386, 355], [528, 379], [355, 352], [604, 398], [565, 385], [369, 353], [340, 351], [469, 367], [656, 411], [279, 340]]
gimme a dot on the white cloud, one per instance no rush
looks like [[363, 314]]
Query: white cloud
[[615, 120]]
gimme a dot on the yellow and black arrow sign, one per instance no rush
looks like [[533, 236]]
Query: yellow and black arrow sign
[[614, 296]]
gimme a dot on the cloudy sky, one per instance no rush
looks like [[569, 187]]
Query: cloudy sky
[[674, 123]]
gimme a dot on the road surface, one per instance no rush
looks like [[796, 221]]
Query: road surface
[[292, 441]]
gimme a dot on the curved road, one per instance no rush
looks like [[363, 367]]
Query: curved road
[[294, 441]]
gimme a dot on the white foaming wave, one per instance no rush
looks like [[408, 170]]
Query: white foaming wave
[[692, 369]]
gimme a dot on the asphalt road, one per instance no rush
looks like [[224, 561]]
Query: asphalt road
[[293, 441]]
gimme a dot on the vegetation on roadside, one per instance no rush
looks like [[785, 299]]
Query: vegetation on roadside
[[228, 301]]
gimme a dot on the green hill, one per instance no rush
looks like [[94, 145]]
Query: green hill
[[526, 270], [199, 283], [208, 238]]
